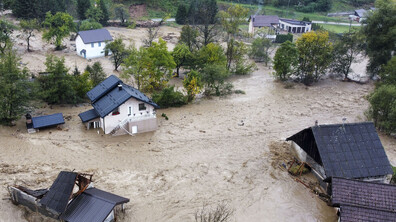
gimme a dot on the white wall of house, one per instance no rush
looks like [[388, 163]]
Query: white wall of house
[[285, 26], [251, 28], [129, 109], [93, 50]]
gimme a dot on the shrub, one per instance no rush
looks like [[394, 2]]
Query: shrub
[[383, 108], [169, 97], [284, 38]]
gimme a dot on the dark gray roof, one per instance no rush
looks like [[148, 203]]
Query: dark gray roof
[[295, 22], [102, 88], [47, 121], [114, 97], [361, 13], [88, 115], [97, 35], [363, 201], [92, 205], [345, 150], [60, 192], [357, 214], [264, 20]]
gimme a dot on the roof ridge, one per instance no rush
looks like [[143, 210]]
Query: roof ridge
[[369, 208], [362, 181]]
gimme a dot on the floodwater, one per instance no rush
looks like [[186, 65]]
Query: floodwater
[[227, 149]]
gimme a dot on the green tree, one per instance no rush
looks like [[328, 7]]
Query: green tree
[[285, 60], [82, 84], [14, 83], [105, 10], [89, 25], [169, 97], [57, 87], [82, 7], [134, 64], [28, 27], [346, 50], [96, 73], [94, 14], [388, 73], [59, 26], [383, 107], [118, 52], [214, 76], [189, 37], [192, 84], [6, 30], [211, 54], [121, 13], [230, 21], [181, 15], [181, 55], [314, 51], [25, 9], [380, 35], [259, 51]]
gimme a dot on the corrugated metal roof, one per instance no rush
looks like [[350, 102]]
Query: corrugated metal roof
[[264, 20], [47, 121], [112, 97], [92, 205], [88, 115], [363, 201], [346, 150], [97, 35], [60, 192], [102, 88]]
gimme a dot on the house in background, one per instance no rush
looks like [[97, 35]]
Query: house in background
[[119, 109], [363, 201], [270, 22], [90, 44], [295, 26], [343, 150]]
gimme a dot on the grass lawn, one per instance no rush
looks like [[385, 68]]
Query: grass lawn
[[337, 28]]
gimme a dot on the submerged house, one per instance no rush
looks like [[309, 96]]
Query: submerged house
[[295, 26], [72, 197], [91, 43], [343, 150], [34, 124], [363, 201], [263, 21], [119, 109]]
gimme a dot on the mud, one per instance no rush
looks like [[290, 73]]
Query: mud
[[201, 155]]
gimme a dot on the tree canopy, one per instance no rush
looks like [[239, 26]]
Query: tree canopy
[[59, 26]]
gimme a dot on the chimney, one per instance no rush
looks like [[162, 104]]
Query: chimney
[[316, 123], [119, 87]]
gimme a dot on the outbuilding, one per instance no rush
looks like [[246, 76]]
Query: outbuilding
[[263, 21], [91, 43], [295, 26], [343, 150]]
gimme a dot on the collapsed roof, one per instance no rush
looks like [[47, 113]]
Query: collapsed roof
[[345, 150]]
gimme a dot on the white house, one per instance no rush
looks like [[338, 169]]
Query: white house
[[261, 21], [119, 109], [294, 26], [90, 44]]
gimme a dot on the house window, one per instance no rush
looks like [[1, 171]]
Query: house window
[[92, 45], [142, 106], [115, 112], [129, 110], [99, 44]]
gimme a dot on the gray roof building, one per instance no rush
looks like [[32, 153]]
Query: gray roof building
[[345, 150], [97, 35], [264, 20], [363, 201]]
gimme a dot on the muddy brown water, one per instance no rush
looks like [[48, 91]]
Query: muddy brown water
[[202, 155]]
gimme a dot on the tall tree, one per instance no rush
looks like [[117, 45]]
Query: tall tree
[[6, 30], [134, 65], [181, 54], [181, 14], [25, 9], [118, 52], [121, 13], [346, 51], [28, 27], [59, 26], [388, 73], [230, 21], [189, 37], [193, 84], [105, 10], [259, 50], [14, 87], [285, 60], [380, 35], [314, 51], [383, 107], [96, 73], [94, 14], [82, 7], [88, 24]]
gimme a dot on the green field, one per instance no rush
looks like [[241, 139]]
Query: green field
[[338, 28]]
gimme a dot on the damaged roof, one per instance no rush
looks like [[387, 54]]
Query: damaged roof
[[60, 192], [107, 96], [92, 205], [264, 20], [97, 35], [363, 201], [345, 150], [48, 120], [88, 115]]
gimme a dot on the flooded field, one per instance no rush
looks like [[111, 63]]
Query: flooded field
[[220, 149]]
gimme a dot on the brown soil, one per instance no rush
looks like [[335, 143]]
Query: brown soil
[[138, 10]]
